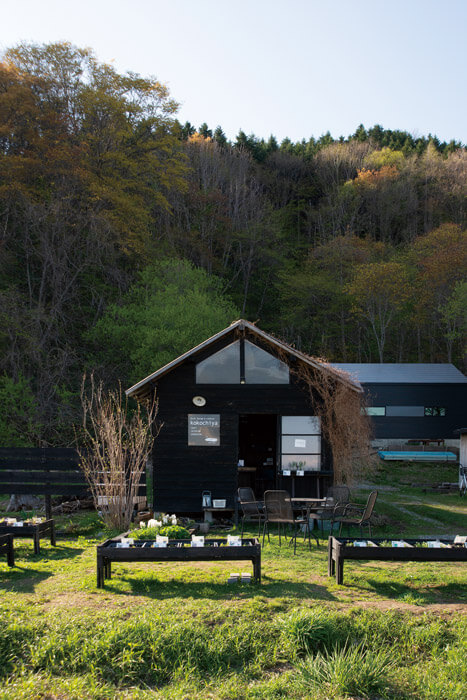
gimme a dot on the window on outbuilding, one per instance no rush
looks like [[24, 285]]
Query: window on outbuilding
[[435, 411], [375, 410], [405, 411]]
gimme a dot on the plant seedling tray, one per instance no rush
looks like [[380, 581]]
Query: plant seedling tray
[[340, 549], [36, 531], [177, 550]]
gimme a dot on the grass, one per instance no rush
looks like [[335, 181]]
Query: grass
[[180, 631]]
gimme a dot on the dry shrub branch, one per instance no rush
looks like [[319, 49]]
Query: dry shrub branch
[[344, 423], [114, 444]]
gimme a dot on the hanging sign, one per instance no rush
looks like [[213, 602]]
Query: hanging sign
[[204, 429]]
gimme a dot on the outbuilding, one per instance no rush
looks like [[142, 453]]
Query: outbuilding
[[410, 402], [236, 411]]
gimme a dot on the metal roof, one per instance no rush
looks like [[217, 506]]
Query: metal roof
[[403, 373], [142, 386]]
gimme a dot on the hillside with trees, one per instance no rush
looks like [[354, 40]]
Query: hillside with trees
[[128, 237]]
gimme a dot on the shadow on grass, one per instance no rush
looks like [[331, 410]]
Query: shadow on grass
[[22, 579], [393, 590], [47, 553], [152, 587]]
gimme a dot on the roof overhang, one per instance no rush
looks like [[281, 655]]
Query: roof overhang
[[142, 387]]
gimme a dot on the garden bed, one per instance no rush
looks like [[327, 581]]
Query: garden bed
[[124, 549], [411, 550]]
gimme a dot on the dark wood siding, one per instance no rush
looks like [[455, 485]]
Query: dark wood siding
[[451, 396], [182, 472]]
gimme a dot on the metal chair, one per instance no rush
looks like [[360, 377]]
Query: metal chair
[[356, 515], [338, 497], [252, 510], [278, 509], [340, 493]]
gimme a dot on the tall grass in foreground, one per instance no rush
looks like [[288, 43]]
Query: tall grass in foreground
[[312, 652], [350, 670]]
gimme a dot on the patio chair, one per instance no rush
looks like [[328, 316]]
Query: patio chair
[[339, 493], [252, 510], [278, 509], [357, 515], [338, 497]]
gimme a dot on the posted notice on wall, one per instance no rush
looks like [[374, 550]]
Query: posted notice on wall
[[204, 429]]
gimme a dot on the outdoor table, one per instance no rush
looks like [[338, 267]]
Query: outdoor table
[[176, 550], [36, 531], [6, 547], [308, 505], [340, 549]]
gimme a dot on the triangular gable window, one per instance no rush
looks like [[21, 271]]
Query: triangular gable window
[[221, 368], [242, 362], [263, 368]]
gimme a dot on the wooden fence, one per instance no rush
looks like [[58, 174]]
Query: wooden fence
[[48, 471]]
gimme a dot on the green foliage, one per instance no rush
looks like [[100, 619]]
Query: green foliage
[[19, 425], [99, 184], [172, 308], [173, 532], [350, 670]]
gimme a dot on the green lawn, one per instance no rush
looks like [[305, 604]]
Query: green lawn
[[181, 631]]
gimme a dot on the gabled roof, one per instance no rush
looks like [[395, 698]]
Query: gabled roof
[[403, 373], [142, 386]]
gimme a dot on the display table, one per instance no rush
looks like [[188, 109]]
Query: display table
[[6, 547], [35, 531], [177, 550], [340, 549]]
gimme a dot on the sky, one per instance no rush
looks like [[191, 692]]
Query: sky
[[291, 68]]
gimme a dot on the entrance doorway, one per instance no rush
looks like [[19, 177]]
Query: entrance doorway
[[257, 452]]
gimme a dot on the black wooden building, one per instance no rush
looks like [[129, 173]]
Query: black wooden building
[[234, 413], [408, 401]]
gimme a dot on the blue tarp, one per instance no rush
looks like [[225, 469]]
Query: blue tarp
[[408, 456]]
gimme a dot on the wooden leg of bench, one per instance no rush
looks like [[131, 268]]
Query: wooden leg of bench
[[340, 571], [100, 572], [10, 552], [330, 559], [53, 541], [257, 568]]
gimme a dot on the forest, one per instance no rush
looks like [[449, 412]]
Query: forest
[[126, 238]]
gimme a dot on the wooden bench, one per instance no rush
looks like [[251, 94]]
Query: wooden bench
[[36, 531], [340, 549], [177, 550]]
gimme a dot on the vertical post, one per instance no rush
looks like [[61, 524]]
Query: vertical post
[[257, 567], [330, 541], [48, 506], [10, 551], [100, 571], [339, 564], [37, 548], [52, 534]]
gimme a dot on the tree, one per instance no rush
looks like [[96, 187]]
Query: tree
[[440, 260], [87, 156], [173, 307], [379, 290], [454, 315], [18, 413]]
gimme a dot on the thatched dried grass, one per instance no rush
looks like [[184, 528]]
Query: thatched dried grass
[[345, 425]]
